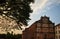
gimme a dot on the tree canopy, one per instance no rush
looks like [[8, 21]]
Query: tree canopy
[[18, 10]]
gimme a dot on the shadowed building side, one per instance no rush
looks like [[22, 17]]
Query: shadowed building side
[[41, 29]]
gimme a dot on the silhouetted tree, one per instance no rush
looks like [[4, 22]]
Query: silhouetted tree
[[19, 10], [10, 36]]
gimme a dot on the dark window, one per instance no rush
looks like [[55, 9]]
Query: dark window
[[32, 37], [59, 36], [56, 37], [59, 31], [55, 31]]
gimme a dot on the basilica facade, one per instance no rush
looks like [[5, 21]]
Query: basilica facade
[[41, 29]]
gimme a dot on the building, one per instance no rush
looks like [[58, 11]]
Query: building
[[57, 31], [41, 29]]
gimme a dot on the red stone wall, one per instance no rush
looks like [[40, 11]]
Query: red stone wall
[[40, 30]]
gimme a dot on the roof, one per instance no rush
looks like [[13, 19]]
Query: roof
[[58, 25]]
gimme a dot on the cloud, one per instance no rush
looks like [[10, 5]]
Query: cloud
[[39, 4], [52, 3]]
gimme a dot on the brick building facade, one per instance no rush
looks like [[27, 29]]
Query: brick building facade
[[41, 29]]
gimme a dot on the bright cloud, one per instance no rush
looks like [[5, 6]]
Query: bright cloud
[[42, 4], [39, 4], [51, 3]]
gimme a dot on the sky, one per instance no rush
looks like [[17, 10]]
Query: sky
[[50, 8]]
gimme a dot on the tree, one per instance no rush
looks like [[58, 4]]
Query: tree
[[18, 10]]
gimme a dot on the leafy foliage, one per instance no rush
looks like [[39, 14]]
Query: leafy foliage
[[18, 10]]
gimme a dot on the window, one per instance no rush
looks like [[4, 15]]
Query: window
[[59, 37], [38, 24], [45, 25], [56, 37], [38, 29], [45, 20], [51, 25], [59, 31], [58, 26], [55, 28], [56, 32], [32, 37], [51, 30], [38, 34], [37, 37]]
